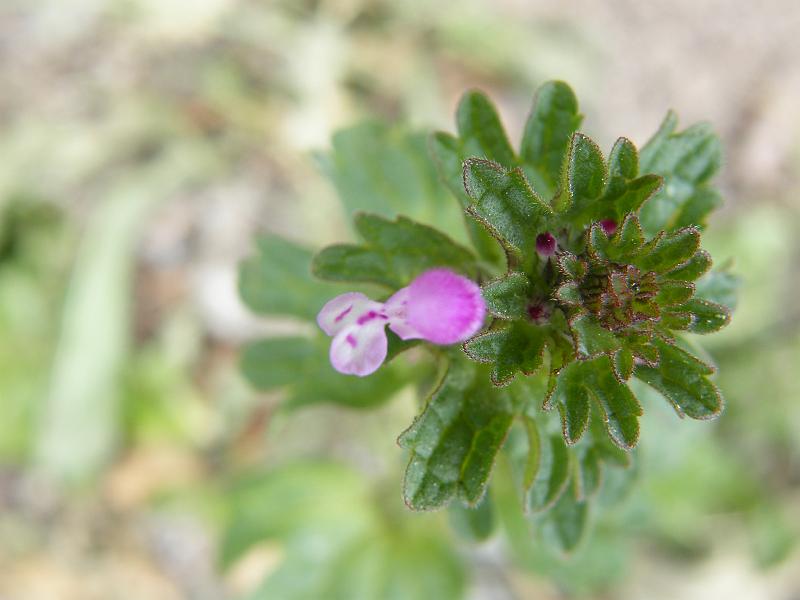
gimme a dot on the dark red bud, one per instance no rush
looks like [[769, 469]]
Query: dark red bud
[[539, 312], [609, 226], [546, 244]]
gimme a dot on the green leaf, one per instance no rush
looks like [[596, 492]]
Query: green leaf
[[683, 380], [625, 192], [276, 362], [692, 269], [481, 131], [671, 292], [552, 474], [303, 365], [506, 205], [510, 348], [448, 154], [666, 251], [591, 338], [351, 263], [606, 450], [454, 441], [588, 472], [548, 131], [277, 280], [284, 502], [394, 253], [699, 205], [707, 317], [583, 180], [623, 161], [687, 160], [383, 170], [569, 293], [565, 525], [623, 364], [509, 296], [676, 319], [635, 193], [720, 287], [473, 524], [626, 243], [387, 563], [335, 542], [571, 266], [582, 382]]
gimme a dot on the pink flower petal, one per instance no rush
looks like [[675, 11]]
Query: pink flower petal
[[359, 349], [344, 310], [443, 307], [395, 309]]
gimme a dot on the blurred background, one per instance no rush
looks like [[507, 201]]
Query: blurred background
[[143, 145]]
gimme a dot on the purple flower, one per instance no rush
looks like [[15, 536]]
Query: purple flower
[[439, 306]]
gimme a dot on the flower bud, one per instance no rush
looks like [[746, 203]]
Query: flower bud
[[609, 226], [546, 244]]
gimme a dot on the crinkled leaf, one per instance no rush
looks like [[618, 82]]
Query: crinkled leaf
[[509, 296], [510, 348], [505, 203], [548, 131], [454, 441], [582, 382], [683, 380], [393, 253]]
